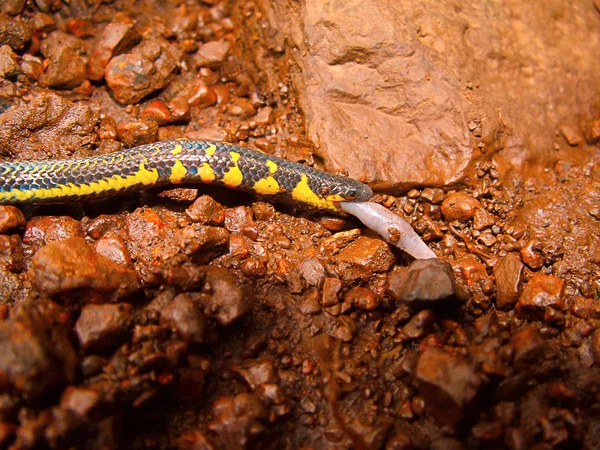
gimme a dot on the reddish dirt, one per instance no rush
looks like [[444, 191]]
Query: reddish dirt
[[203, 318]]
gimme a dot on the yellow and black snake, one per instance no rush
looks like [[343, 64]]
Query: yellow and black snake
[[175, 162]]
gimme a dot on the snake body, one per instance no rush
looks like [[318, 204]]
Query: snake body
[[175, 162]]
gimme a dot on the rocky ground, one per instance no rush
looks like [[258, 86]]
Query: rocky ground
[[202, 318]]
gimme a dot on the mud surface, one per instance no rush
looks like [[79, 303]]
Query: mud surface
[[203, 318]]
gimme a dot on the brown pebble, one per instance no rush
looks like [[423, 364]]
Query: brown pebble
[[309, 305], [527, 346], [15, 31], [531, 256], [427, 283], [363, 298], [240, 220], [331, 287], [212, 54], [137, 133], [156, 111], [208, 76], [312, 271], [345, 330], [508, 272], [419, 325], [117, 38], [11, 253], [206, 210], [483, 219], [201, 243], [242, 107], [225, 300], [592, 131], [200, 95], [364, 257], [101, 326], [256, 372], [113, 248], [448, 383], [264, 116], [41, 230], [571, 135], [459, 206], [69, 266], [10, 217], [146, 69], [184, 316], [38, 358], [541, 292], [79, 400], [65, 67], [433, 195], [9, 67]]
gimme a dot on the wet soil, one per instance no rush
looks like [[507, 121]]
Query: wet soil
[[202, 318]]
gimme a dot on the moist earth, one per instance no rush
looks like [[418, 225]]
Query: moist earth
[[198, 317]]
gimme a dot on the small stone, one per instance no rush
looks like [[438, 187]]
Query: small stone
[[363, 298], [79, 400], [345, 330], [12, 7], [71, 266], [483, 219], [448, 383], [420, 325], [212, 54], [148, 68], [487, 238], [65, 68], [528, 345], [242, 107], [508, 272], [137, 133], [426, 283], [531, 256], [15, 31], [256, 372], [209, 134], [433, 195], [240, 220], [9, 68], [264, 116], [201, 243], [592, 132], [113, 248], [571, 135], [156, 111], [459, 206], [309, 305], [38, 357], [117, 38], [224, 299], [184, 316], [10, 218], [200, 95], [312, 271], [206, 211], [101, 326], [541, 292], [363, 257], [209, 77], [331, 287], [238, 419]]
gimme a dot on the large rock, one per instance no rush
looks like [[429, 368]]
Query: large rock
[[399, 93]]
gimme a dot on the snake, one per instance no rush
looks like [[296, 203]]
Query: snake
[[172, 163]]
